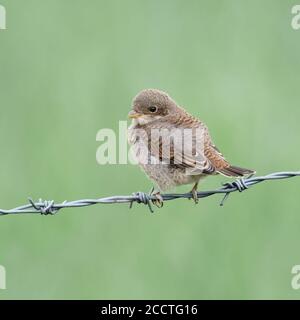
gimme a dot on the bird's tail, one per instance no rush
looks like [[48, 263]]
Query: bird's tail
[[233, 171]]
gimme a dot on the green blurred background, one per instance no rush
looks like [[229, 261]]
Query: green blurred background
[[69, 68]]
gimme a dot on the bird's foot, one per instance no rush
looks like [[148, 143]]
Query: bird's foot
[[158, 200], [195, 194]]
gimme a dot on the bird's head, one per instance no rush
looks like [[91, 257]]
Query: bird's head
[[150, 105]]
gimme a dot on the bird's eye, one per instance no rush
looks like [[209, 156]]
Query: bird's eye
[[152, 109]]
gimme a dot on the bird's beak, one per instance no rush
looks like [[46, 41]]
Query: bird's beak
[[133, 114]]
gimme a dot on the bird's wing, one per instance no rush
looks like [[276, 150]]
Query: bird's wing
[[220, 164], [215, 157], [189, 145], [181, 146]]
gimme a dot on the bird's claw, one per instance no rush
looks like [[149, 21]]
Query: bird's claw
[[194, 193], [158, 200], [195, 196]]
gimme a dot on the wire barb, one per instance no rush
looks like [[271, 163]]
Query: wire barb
[[46, 207], [239, 184], [142, 197]]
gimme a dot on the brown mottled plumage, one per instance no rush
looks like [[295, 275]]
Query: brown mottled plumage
[[153, 111]]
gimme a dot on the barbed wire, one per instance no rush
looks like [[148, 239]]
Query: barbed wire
[[46, 207]]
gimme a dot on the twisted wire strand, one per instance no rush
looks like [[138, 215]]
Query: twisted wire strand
[[46, 207]]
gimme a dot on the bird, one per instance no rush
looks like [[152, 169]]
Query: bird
[[170, 159]]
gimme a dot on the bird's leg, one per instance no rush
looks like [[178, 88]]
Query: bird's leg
[[158, 201], [194, 193]]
